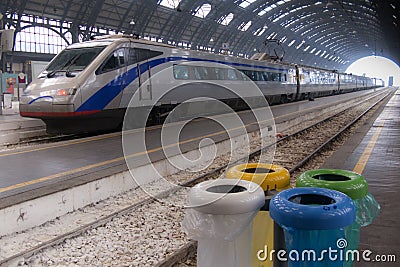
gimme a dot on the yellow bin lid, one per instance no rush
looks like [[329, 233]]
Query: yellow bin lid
[[268, 176]]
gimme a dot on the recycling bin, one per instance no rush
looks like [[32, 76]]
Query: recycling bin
[[272, 179], [356, 187], [313, 220], [219, 216], [7, 100]]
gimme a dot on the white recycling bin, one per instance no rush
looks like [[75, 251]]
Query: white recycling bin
[[7, 100], [219, 217]]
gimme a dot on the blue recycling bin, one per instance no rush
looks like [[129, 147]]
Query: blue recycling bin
[[313, 220], [353, 185]]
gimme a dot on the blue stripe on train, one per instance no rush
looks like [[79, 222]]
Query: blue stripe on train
[[100, 99]]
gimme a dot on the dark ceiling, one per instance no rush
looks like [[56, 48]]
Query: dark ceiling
[[328, 33]]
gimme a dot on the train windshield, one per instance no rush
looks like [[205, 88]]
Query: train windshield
[[71, 61]]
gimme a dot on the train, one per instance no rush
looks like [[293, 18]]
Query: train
[[88, 86]]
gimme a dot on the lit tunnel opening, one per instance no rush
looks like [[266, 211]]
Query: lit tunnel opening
[[376, 67]]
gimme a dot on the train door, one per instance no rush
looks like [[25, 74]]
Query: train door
[[144, 74], [297, 82], [139, 66]]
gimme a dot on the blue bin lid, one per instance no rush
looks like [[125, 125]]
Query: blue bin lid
[[311, 208]]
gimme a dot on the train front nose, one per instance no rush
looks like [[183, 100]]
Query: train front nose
[[33, 106], [49, 97]]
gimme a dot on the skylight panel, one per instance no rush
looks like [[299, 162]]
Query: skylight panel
[[302, 42], [244, 26], [203, 11], [272, 35], [262, 12], [246, 3], [260, 31], [267, 9], [291, 43], [170, 3], [225, 20]]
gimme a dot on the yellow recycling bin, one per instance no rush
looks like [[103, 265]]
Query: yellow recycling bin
[[271, 178]]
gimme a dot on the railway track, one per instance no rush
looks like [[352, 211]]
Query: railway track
[[130, 221]]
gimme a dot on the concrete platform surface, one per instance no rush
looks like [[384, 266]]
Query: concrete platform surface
[[375, 154]]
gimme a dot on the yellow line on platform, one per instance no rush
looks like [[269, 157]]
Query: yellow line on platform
[[91, 166], [58, 175], [362, 162]]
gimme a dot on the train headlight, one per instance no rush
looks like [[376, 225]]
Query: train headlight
[[59, 92], [66, 92], [62, 92]]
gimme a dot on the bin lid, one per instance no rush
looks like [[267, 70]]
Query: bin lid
[[350, 183], [312, 208], [226, 197], [268, 176]]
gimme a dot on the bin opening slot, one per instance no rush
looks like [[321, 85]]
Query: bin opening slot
[[331, 177], [257, 170], [312, 199], [226, 189]]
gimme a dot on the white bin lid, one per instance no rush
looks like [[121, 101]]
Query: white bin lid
[[226, 196]]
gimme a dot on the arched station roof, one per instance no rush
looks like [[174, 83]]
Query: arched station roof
[[327, 33]]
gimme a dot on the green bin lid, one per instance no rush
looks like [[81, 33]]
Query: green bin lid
[[350, 183]]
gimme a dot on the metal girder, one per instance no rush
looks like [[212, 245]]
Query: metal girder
[[90, 17]]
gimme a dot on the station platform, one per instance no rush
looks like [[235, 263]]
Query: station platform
[[14, 128], [374, 152], [43, 169]]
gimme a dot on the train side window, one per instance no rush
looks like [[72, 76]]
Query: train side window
[[137, 55], [219, 74], [132, 57], [211, 73], [253, 75], [114, 61], [233, 74], [200, 73], [246, 75], [256, 75], [145, 54], [274, 77], [265, 76], [260, 76], [181, 72]]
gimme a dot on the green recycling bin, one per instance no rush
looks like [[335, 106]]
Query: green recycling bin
[[353, 185]]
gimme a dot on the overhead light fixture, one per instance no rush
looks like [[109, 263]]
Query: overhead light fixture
[[132, 22], [329, 4]]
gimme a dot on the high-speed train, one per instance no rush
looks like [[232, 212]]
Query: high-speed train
[[88, 86]]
